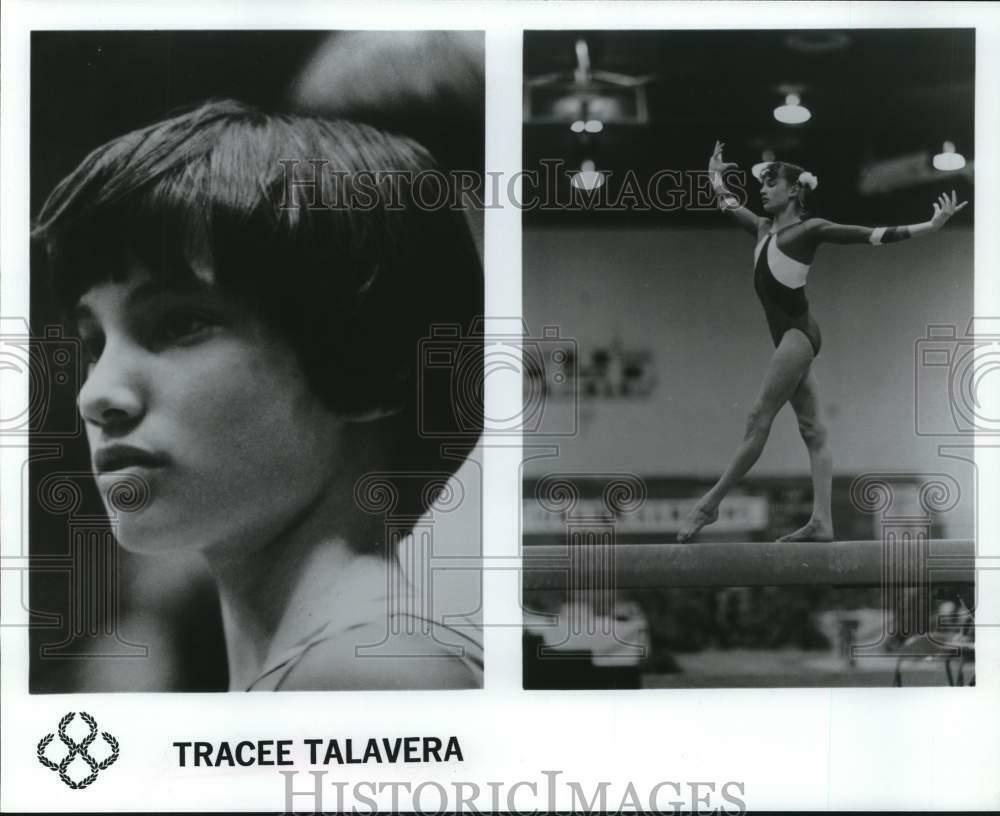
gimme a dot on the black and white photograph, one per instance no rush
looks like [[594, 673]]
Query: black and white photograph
[[583, 407], [245, 252], [749, 256]]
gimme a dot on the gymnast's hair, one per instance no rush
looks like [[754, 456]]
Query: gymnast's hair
[[352, 289], [793, 174]]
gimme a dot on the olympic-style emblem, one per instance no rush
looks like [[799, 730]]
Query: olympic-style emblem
[[80, 749]]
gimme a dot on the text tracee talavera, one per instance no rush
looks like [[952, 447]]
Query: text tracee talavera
[[321, 751]]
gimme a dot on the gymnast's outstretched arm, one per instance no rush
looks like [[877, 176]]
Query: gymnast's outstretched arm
[[728, 200], [822, 231]]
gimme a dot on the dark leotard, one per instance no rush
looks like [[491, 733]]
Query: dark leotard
[[780, 283]]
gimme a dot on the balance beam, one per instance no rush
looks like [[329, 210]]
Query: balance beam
[[761, 563]]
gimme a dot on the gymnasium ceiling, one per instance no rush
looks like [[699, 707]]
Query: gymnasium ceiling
[[875, 96]]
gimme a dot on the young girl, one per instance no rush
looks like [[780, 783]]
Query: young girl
[[787, 241], [251, 292]]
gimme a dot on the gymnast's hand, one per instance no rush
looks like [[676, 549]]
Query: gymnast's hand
[[716, 165], [945, 208]]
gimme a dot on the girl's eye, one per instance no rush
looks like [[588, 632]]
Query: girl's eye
[[181, 326], [92, 348]]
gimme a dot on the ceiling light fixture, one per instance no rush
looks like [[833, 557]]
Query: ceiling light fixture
[[588, 177], [593, 97], [792, 112], [948, 159]]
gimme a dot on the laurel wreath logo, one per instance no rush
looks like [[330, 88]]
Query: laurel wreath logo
[[80, 749]]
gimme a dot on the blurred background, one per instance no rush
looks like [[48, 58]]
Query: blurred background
[[641, 293], [106, 620]]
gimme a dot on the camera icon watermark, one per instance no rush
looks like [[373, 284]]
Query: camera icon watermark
[[456, 366], [951, 376], [51, 363]]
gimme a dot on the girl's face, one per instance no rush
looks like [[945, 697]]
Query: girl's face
[[189, 394], [776, 192]]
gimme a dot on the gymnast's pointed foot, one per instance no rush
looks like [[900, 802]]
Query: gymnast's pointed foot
[[814, 530], [700, 516]]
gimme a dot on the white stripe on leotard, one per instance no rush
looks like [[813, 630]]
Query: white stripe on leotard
[[786, 271]]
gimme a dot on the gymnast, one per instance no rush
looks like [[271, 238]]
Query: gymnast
[[787, 240], [252, 357]]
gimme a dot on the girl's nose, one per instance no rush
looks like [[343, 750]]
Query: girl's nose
[[111, 397]]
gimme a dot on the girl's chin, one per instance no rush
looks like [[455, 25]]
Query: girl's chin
[[125, 496], [149, 539], [150, 532], [152, 528]]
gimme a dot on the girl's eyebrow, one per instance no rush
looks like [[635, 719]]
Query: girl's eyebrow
[[150, 290], [146, 291]]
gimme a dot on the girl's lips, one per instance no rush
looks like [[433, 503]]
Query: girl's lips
[[118, 458], [131, 470]]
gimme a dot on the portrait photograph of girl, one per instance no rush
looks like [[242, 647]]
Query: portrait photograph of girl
[[248, 270]]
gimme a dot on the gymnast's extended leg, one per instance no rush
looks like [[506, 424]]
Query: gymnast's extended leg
[[805, 401], [789, 364]]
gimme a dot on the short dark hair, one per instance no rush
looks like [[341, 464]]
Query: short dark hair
[[353, 287]]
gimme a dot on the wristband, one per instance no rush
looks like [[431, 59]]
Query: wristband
[[888, 235]]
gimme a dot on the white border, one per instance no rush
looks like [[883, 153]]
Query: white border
[[793, 749]]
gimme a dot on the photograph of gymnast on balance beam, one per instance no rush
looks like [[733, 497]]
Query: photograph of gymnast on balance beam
[[786, 242], [743, 557]]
